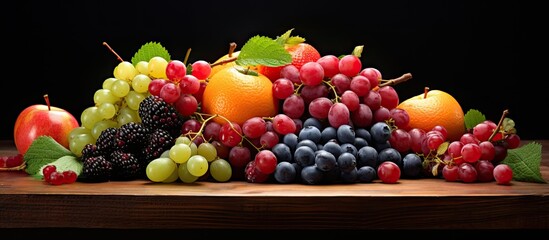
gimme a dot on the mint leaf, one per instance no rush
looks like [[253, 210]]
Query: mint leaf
[[525, 162], [260, 50], [43, 150], [150, 50], [472, 118], [63, 164]]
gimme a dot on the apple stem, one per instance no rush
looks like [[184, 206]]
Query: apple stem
[[405, 77], [110, 49], [505, 113], [231, 59], [187, 56], [232, 47], [425, 91], [47, 98]]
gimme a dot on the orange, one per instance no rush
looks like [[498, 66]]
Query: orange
[[301, 53], [238, 96], [436, 107]]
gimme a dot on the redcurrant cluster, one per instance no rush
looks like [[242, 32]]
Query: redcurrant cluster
[[54, 177]]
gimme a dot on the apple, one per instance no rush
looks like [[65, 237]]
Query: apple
[[43, 120]]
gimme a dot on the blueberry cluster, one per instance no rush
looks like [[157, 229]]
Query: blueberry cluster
[[322, 154]]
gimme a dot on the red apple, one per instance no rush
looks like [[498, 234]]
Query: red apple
[[43, 120]]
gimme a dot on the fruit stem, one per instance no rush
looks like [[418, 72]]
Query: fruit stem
[[232, 47], [425, 91], [187, 56], [110, 49], [505, 113], [405, 77], [47, 98], [231, 59], [332, 87]]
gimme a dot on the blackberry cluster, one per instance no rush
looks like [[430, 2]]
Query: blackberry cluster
[[156, 113], [123, 153]]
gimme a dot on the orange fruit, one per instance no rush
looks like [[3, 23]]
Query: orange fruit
[[301, 53], [238, 96], [436, 107]]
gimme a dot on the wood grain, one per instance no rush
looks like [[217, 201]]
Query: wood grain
[[410, 204]]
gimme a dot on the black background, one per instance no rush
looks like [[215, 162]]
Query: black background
[[472, 50]]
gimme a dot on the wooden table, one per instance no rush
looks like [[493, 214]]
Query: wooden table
[[27, 203]]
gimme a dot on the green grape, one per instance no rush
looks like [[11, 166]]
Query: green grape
[[90, 116], [160, 169], [102, 125], [180, 152], [184, 174], [142, 67], [133, 99], [194, 149], [79, 141], [183, 139], [207, 150], [197, 165], [221, 170], [126, 115], [140, 83], [107, 110], [120, 88], [157, 67], [173, 177], [78, 130], [103, 96], [125, 71], [165, 154], [107, 84]]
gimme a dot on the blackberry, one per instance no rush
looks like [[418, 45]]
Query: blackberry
[[156, 113], [96, 169], [131, 137], [90, 150], [159, 141], [125, 166], [106, 142]]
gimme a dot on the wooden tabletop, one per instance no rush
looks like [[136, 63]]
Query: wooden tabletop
[[26, 202]]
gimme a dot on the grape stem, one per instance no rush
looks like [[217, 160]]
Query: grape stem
[[505, 113], [187, 56], [110, 49], [405, 77]]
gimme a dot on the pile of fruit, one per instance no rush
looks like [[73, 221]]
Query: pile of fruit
[[276, 111]]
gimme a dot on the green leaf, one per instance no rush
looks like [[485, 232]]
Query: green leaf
[[42, 151], [150, 50], [508, 124], [525, 162], [295, 40], [442, 148], [358, 51], [260, 50], [281, 40], [63, 164], [472, 118]]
